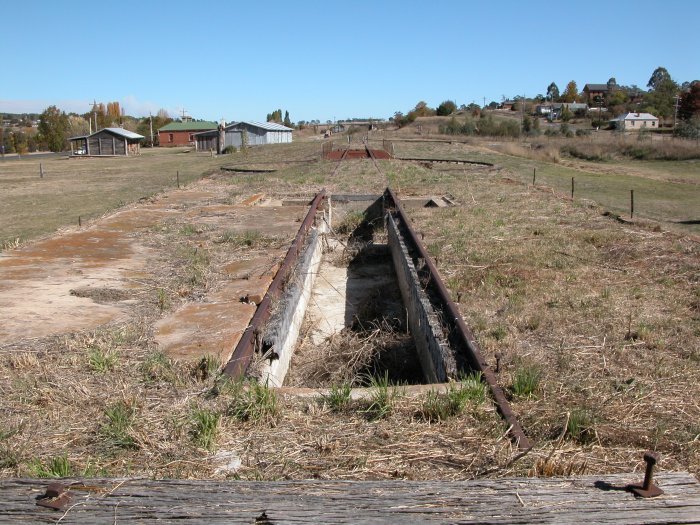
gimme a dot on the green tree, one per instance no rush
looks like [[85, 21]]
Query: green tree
[[571, 92], [566, 114], [53, 128], [661, 98], [447, 107], [689, 104], [422, 110], [552, 92], [658, 77], [287, 121]]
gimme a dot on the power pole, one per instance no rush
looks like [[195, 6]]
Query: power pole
[[151, 117], [94, 112], [675, 111]]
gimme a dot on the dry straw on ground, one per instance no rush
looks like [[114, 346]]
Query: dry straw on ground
[[605, 315]]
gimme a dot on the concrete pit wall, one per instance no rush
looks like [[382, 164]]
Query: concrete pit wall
[[435, 355], [282, 330]]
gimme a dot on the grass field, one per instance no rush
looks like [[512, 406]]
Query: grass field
[[665, 191], [597, 322]]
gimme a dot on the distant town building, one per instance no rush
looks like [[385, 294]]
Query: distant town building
[[257, 134], [635, 122], [182, 133], [593, 91], [107, 142]]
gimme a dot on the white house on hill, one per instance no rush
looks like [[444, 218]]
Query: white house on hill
[[635, 122]]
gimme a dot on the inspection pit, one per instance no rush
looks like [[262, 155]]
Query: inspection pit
[[347, 315]]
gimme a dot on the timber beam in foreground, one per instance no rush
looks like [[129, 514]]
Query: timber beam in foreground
[[587, 499]]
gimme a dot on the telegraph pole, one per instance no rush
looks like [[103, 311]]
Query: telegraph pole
[[675, 111], [151, 116]]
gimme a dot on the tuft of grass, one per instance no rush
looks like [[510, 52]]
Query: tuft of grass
[[10, 244], [499, 333], [382, 397], [439, 407], [9, 458], [248, 239], [526, 380], [196, 264], [162, 301], [117, 429], [473, 388], [102, 360], [55, 467], [208, 366], [159, 367], [338, 398], [189, 229], [205, 427], [252, 402], [350, 222], [581, 426]]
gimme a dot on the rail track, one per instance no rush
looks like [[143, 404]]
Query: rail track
[[461, 340]]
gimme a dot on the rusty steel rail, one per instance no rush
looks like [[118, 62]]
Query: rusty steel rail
[[462, 332], [243, 353], [374, 159], [345, 154], [447, 161]]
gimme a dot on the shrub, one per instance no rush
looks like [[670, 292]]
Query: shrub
[[229, 149], [583, 132], [688, 129]]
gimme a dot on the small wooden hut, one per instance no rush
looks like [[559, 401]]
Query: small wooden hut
[[107, 142]]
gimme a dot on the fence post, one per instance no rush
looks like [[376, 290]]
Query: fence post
[[631, 204], [41, 171], [178, 179], [572, 188], [534, 174]]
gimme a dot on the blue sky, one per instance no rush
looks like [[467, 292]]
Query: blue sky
[[335, 59]]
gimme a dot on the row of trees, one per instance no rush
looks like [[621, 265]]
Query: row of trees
[[445, 108], [276, 116], [56, 127], [659, 99]]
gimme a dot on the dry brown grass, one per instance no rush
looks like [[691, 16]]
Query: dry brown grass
[[608, 313]]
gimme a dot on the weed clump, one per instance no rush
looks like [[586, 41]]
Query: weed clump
[[440, 407], [205, 427], [55, 467], [102, 360], [208, 366], [526, 380], [251, 402], [382, 397], [117, 430], [338, 397], [581, 426]]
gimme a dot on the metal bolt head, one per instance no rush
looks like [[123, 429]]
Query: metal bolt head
[[651, 458]]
